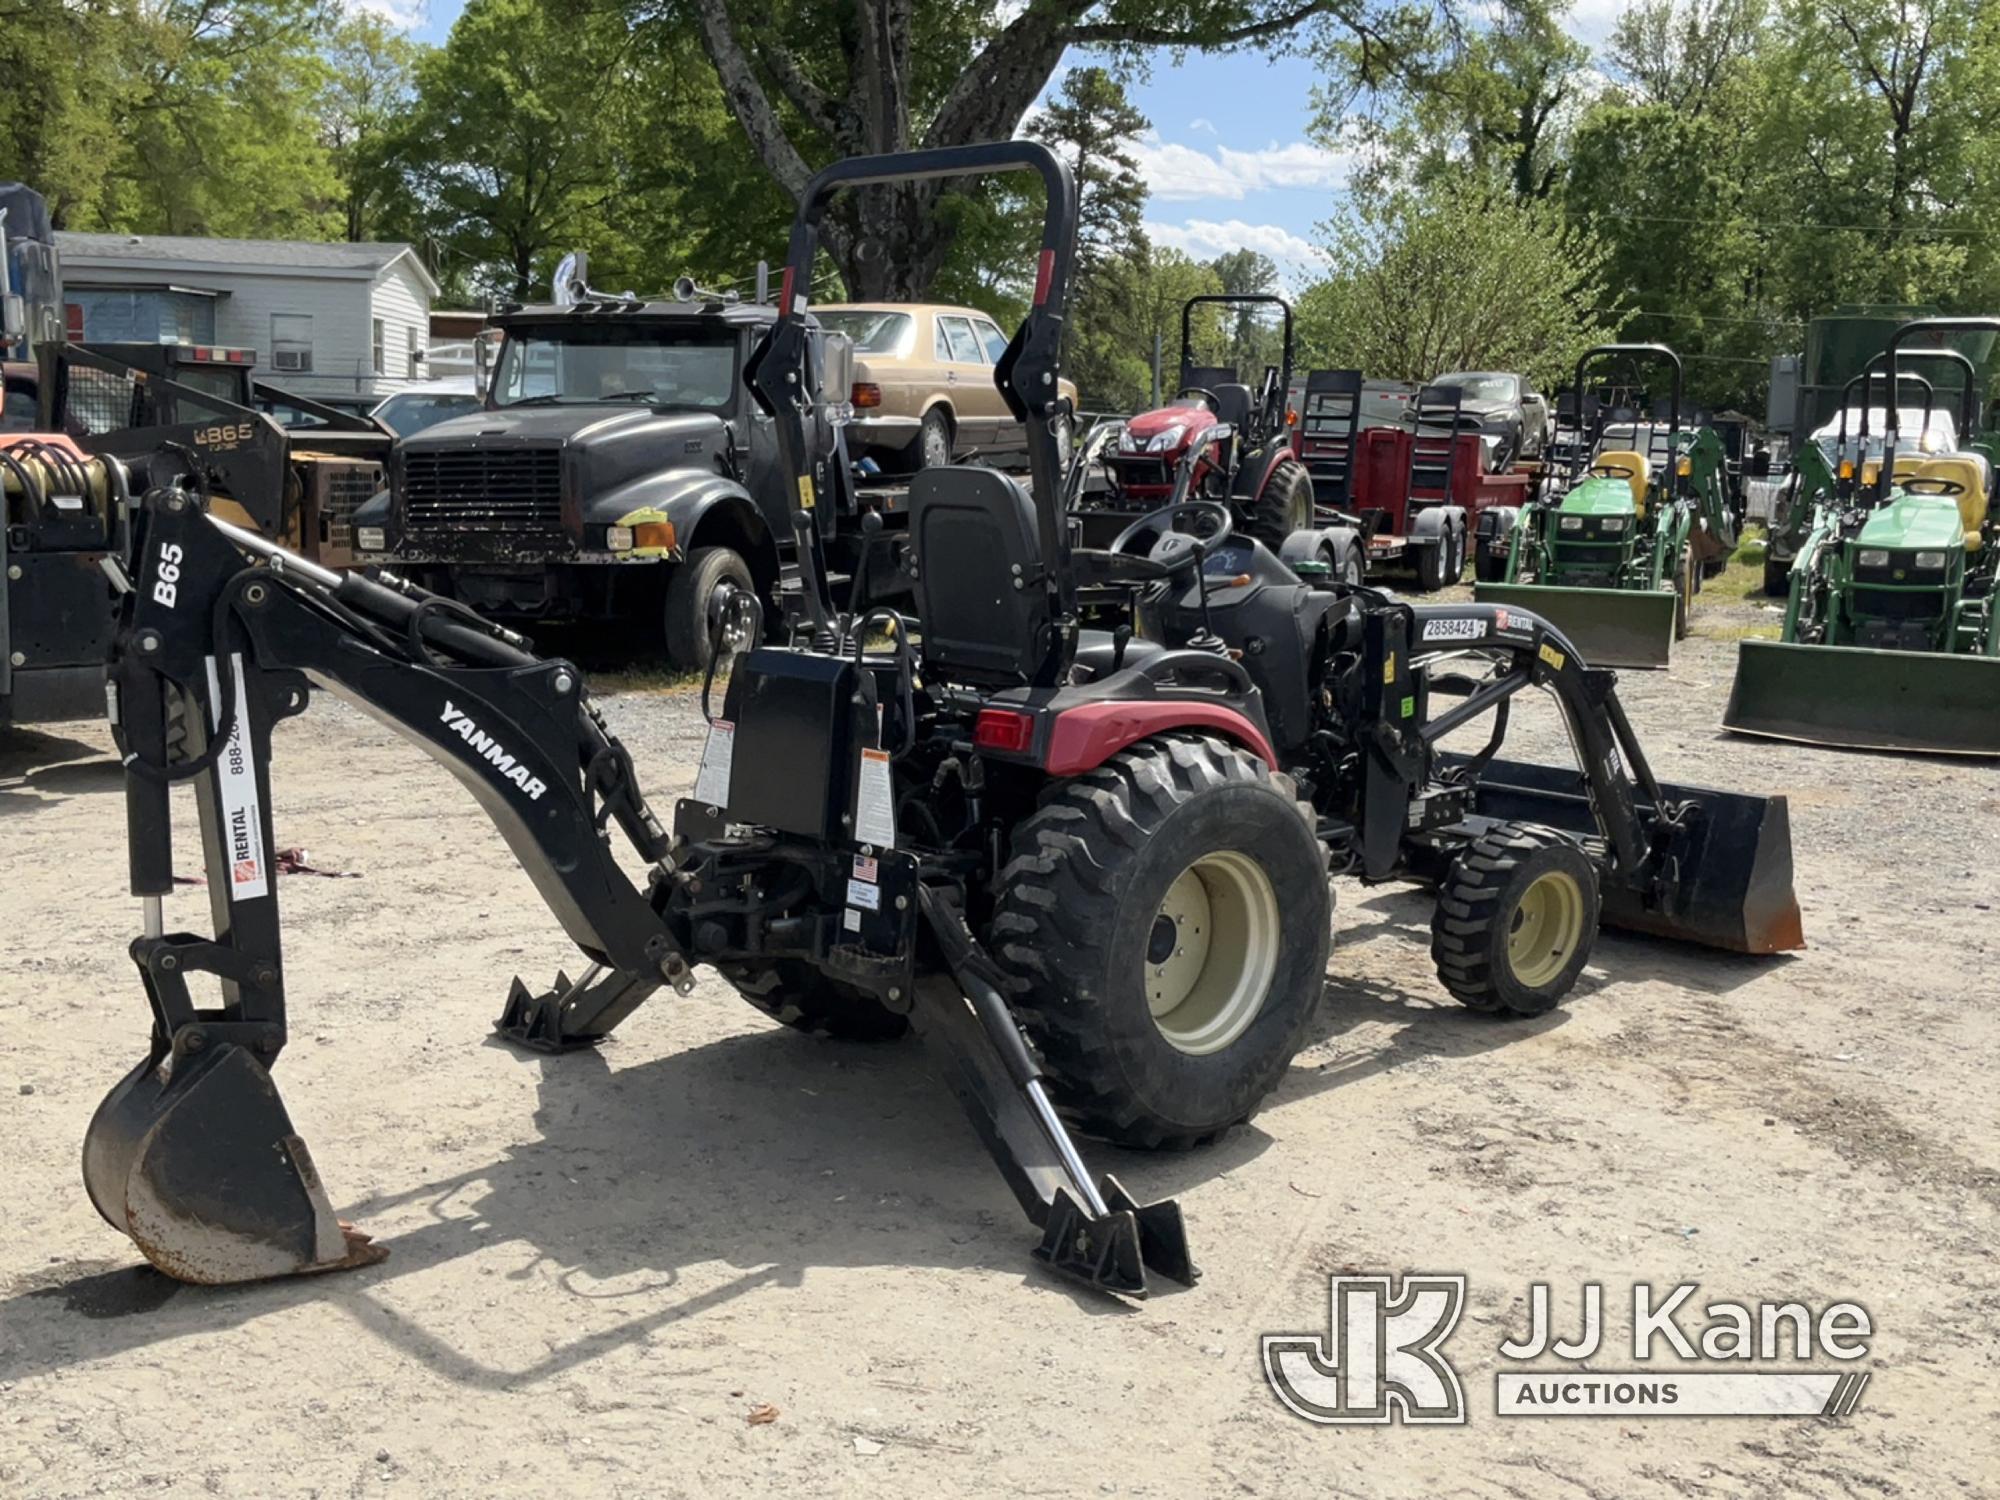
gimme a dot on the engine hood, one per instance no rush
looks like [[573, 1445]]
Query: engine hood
[[1929, 523], [1148, 425], [1599, 496], [561, 424]]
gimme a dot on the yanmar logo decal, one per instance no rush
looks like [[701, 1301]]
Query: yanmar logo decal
[[490, 748]]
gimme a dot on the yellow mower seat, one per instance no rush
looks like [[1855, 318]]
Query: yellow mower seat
[[1625, 458], [1968, 469]]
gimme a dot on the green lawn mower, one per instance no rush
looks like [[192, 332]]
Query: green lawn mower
[[1615, 560], [1889, 639]]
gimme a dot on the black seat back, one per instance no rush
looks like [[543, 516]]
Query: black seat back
[[979, 594]]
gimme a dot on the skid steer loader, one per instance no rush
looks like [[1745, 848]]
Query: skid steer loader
[[1089, 867], [1890, 640], [1616, 559]]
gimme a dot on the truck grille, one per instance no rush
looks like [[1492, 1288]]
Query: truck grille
[[517, 491]]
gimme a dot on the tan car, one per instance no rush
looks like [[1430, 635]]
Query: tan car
[[923, 383]]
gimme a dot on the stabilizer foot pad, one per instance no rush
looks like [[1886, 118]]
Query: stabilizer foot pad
[[535, 1022], [1114, 1252]]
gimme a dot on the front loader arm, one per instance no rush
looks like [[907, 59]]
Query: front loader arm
[[192, 1154]]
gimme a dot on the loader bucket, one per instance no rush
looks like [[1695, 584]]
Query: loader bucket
[[199, 1164], [1854, 698], [1730, 883], [1611, 627]]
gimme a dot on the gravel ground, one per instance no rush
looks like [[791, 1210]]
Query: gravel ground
[[602, 1265]]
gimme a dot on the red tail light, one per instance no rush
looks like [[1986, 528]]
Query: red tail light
[[1003, 729], [865, 394]]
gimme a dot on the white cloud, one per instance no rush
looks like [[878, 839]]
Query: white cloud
[[404, 15], [1203, 125], [1298, 260], [1175, 172]]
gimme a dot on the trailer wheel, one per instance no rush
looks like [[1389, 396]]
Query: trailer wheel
[[1285, 507], [697, 593], [1432, 563], [793, 992], [1515, 921], [1164, 924]]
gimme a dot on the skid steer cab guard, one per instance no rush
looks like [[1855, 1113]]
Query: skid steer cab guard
[[1613, 558], [1089, 867], [1890, 641]]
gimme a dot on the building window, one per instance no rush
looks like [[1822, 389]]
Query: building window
[[292, 342], [414, 351], [381, 348]]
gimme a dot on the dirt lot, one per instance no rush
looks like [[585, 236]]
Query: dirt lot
[[601, 1264]]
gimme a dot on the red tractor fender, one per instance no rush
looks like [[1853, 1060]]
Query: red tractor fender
[[1085, 737]]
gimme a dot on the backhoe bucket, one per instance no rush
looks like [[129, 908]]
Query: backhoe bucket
[[1854, 698], [199, 1164], [1611, 627], [1729, 866]]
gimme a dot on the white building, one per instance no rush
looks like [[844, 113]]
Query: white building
[[325, 320]]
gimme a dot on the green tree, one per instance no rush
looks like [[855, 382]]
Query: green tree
[[1424, 282], [370, 86], [66, 66]]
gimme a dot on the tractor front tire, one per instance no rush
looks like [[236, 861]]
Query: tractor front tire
[[1164, 924], [793, 992], [1286, 505], [1515, 921]]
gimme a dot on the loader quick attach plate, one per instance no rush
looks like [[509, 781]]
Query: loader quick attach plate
[[1729, 884], [1608, 627], [1852, 698]]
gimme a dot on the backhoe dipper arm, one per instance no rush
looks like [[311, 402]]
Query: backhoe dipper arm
[[192, 1154]]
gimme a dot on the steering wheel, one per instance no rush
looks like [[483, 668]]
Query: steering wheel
[[1942, 486], [1123, 566], [1612, 471]]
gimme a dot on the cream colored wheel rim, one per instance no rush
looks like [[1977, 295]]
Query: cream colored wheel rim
[[1211, 952], [1547, 926]]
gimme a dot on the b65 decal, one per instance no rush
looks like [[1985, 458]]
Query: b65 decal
[[167, 574], [223, 435]]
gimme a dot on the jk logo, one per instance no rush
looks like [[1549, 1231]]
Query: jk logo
[[1379, 1357]]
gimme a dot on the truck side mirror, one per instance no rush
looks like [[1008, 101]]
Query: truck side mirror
[[484, 343], [13, 318], [833, 368]]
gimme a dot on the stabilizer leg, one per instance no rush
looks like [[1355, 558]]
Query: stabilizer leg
[[1092, 1230], [572, 1015]]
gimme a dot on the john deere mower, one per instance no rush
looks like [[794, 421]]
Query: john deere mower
[[1616, 557], [1240, 439], [1889, 638], [1089, 867]]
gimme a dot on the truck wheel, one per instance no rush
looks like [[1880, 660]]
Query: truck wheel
[[1777, 578], [1488, 566], [1164, 923], [698, 592], [1286, 505], [1349, 570], [1515, 920], [793, 992]]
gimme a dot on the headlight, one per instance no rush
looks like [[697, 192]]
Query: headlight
[[371, 539], [1571, 523], [1930, 562], [618, 538], [1166, 438], [1611, 525], [1873, 558]]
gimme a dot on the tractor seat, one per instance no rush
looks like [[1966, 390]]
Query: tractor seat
[[977, 556], [1968, 469], [1232, 404], [1626, 458]]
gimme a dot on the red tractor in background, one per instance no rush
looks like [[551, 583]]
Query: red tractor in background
[[1240, 441], [1417, 491]]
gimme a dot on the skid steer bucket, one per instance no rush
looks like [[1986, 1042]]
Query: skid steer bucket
[[1611, 627], [199, 1164], [1728, 880], [1854, 698]]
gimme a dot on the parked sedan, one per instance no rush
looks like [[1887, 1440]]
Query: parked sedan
[[1509, 410], [923, 383]]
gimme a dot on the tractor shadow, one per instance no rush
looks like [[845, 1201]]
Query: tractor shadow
[[38, 768], [768, 1154]]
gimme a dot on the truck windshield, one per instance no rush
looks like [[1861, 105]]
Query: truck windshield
[[1484, 387], [596, 364]]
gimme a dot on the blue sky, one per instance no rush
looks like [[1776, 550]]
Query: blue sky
[[1227, 159]]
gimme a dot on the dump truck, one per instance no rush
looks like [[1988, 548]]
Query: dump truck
[[1090, 868], [1616, 555], [1890, 640]]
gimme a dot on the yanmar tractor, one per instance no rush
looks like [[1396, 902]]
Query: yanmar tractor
[[1890, 639], [1240, 441], [1090, 867], [1615, 559]]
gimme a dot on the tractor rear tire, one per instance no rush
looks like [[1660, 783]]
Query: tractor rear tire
[[1286, 505], [1515, 921], [793, 992], [1164, 924]]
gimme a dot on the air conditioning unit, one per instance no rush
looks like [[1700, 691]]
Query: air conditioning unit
[[291, 359]]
